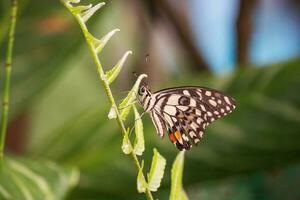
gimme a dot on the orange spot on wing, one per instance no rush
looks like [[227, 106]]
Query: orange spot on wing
[[172, 137], [178, 135]]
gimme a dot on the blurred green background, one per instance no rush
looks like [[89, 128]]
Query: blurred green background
[[248, 49]]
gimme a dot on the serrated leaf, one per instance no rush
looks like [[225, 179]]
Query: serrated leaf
[[126, 145], [177, 192], [89, 12], [100, 44], [127, 103], [112, 74], [141, 181], [139, 143], [35, 180], [157, 171]]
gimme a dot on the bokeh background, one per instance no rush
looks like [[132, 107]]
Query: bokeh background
[[248, 49]]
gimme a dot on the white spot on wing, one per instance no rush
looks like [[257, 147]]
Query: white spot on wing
[[209, 114], [198, 112], [185, 92], [201, 134], [173, 100], [227, 100], [183, 108], [212, 102], [208, 93], [185, 137], [192, 103], [194, 126], [170, 110], [199, 120], [192, 134], [199, 94], [202, 108]]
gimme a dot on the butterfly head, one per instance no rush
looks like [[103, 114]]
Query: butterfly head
[[144, 95]]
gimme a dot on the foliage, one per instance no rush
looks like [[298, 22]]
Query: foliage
[[35, 179], [177, 192], [82, 14], [262, 134], [230, 146], [157, 171], [27, 179]]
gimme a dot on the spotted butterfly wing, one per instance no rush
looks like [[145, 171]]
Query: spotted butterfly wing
[[185, 111]]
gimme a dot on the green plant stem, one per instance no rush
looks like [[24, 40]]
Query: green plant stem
[[106, 87], [6, 82]]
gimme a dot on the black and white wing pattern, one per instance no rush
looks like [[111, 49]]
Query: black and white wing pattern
[[186, 111]]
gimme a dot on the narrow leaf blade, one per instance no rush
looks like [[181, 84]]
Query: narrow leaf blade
[[89, 12], [139, 143], [126, 145], [177, 192], [126, 104], [157, 171], [112, 74], [102, 42], [141, 181], [28, 179]]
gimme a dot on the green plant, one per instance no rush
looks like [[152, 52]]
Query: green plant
[[6, 82], [23, 178], [121, 112]]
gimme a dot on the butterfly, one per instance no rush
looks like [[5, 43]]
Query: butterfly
[[184, 112]]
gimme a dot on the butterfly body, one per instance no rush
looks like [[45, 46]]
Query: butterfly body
[[184, 111]]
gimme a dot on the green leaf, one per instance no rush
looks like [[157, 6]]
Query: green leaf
[[266, 97], [112, 74], [141, 181], [35, 180], [157, 171], [90, 11], [177, 192], [139, 143], [78, 9], [100, 44], [126, 145], [127, 103]]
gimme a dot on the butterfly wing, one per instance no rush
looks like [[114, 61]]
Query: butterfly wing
[[186, 111]]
